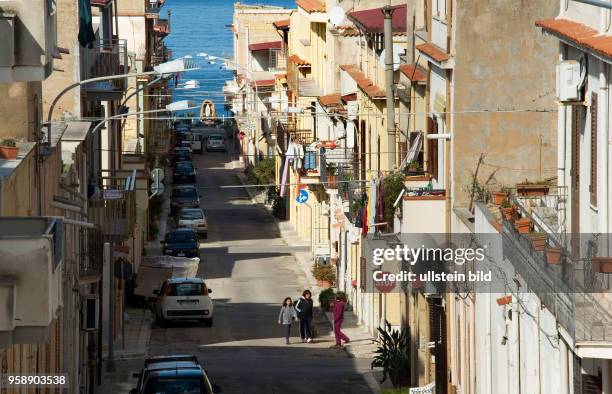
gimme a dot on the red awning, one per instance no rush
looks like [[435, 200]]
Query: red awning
[[264, 46], [372, 20], [433, 51], [298, 61], [363, 82]]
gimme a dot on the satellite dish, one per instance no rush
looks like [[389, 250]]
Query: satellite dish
[[336, 15], [397, 51]]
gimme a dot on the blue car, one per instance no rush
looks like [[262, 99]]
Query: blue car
[[182, 242]]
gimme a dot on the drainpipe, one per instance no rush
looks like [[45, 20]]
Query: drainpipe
[[603, 153], [1, 196], [388, 13]]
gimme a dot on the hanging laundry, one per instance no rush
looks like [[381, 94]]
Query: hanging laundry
[[372, 201]]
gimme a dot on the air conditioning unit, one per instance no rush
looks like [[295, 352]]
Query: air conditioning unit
[[90, 312], [570, 78]]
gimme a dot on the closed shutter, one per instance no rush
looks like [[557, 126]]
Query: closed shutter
[[593, 187], [437, 335], [433, 148], [362, 273], [591, 384]]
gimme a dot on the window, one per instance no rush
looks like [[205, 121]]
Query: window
[[180, 237], [438, 8], [593, 186], [432, 159], [188, 289]]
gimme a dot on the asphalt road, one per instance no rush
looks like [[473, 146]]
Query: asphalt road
[[250, 270]]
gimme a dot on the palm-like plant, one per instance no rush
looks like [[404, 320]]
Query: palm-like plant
[[392, 354]]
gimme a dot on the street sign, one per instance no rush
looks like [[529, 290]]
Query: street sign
[[157, 174], [384, 286], [302, 197], [111, 194]]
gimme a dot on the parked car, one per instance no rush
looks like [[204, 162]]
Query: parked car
[[184, 299], [174, 374], [195, 141], [182, 242], [181, 154], [193, 218], [184, 196], [215, 142], [183, 172]]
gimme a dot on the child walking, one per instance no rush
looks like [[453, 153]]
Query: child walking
[[286, 315]]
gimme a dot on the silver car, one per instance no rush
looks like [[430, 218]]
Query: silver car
[[215, 142], [194, 218]]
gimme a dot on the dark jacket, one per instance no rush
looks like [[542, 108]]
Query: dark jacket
[[304, 308]]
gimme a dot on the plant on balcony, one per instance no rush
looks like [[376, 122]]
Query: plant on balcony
[[393, 184], [538, 240], [553, 255], [8, 149], [392, 355], [324, 274], [602, 265], [532, 189], [331, 174], [498, 198], [414, 167], [522, 225], [508, 210]]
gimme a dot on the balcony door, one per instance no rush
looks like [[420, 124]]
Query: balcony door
[[577, 122]]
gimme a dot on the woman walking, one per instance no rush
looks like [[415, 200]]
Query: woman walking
[[286, 315], [338, 314], [305, 313]]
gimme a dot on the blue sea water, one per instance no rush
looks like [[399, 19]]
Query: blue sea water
[[201, 26]]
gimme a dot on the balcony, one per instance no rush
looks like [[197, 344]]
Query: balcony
[[90, 257], [576, 286], [153, 8], [113, 210], [161, 55], [423, 210], [105, 58], [31, 257], [29, 40], [161, 27]]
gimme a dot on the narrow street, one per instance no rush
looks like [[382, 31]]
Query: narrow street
[[250, 270]]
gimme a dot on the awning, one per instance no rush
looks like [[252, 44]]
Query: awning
[[76, 131], [579, 34], [433, 51], [264, 46], [372, 20], [282, 24], [363, 82], [414, 72], [295, 59], [330, 100], [100, 3]]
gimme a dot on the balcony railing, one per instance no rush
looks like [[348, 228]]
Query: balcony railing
[[161, 55], [104, 58], [90, 256], [113, 210], [153, 8]]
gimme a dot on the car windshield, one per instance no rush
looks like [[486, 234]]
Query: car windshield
[[186, 193], [186, 289], [215, 137], [180, 237], [183, 164], [176, 385], [192, 215]]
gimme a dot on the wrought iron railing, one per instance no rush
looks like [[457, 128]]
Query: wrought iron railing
[[90, 253], [105, 58]]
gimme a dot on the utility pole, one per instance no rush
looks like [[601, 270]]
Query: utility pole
[[388, 30]]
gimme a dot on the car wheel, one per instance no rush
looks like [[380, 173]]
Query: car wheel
[[208, 322]]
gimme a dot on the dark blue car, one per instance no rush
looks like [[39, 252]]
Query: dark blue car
[[182, 242]]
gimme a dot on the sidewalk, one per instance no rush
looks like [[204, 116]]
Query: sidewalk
[[137, 334]]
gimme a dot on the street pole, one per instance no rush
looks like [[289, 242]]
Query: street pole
[[110, 365], [388, 31]]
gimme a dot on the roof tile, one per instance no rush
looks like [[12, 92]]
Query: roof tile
[[433, 51], [282, 24], [578, 33], [372, 20], [264, 46], [414, 72], [311, 5], [295, 59], [331, 100], [363, 82]]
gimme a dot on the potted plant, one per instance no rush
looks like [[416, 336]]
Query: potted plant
[[414, 167], [531, 189], [602, 265], [538, 240], [325, 299], [392, 355], [553, 255], [324, 274], [507, 210], [331, 171], [8, 149], [498, 198], [522, 225]]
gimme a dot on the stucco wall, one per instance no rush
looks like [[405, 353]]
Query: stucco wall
[[503, 63], [67, 68], [18, 109]]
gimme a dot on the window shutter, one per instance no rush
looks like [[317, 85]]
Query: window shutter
[[433, 148], [363, 273], [593, 187]]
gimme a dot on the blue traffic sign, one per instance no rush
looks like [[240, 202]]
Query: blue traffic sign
[[302, 197]]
